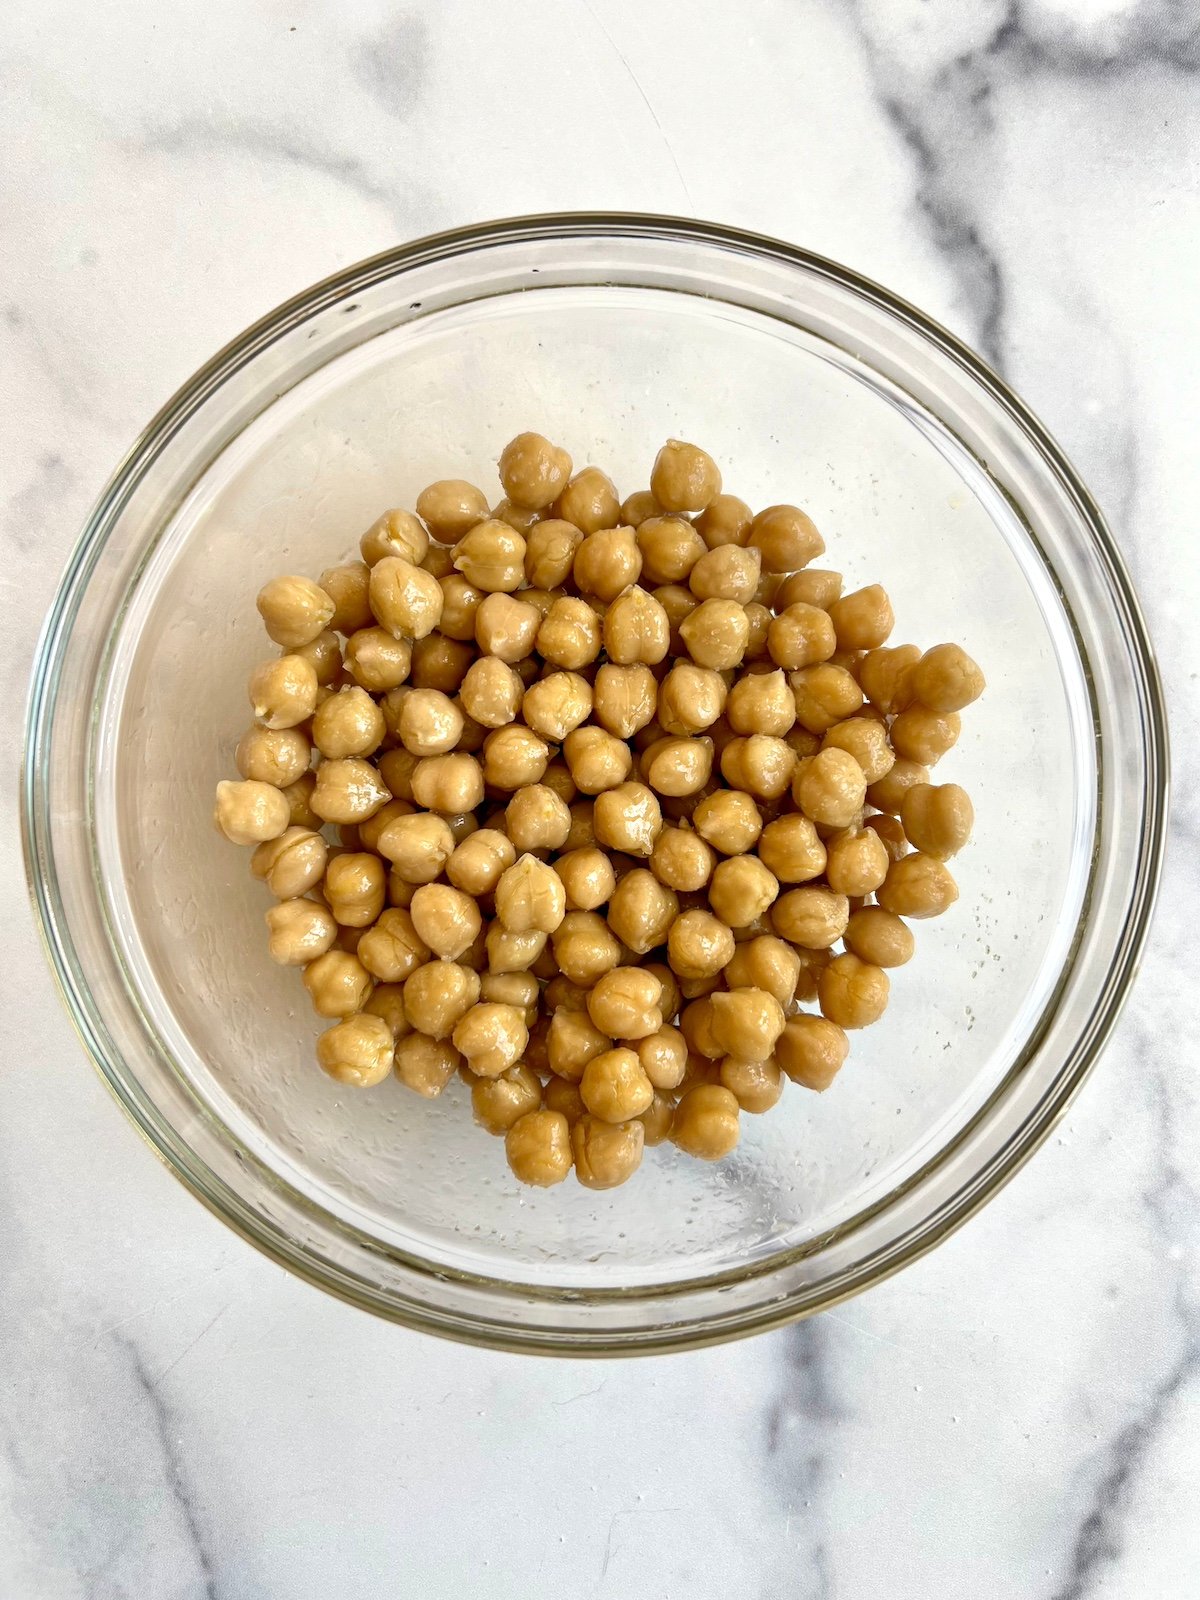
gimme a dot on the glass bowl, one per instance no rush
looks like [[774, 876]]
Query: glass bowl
[[609, 333]]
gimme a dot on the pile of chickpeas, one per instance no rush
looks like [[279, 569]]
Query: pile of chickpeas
[[577, 798]]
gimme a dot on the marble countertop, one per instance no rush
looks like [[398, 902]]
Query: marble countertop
[[1014, 1416]]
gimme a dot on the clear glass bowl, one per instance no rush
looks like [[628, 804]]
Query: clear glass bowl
[[610, 333]]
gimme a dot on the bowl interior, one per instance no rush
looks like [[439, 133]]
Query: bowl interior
[[610, 371]]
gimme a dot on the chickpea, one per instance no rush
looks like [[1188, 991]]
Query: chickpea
[[534, 472], [324, 656], [338, 984], [519, 989], [500, 1101], [636, 629], [678, 766], [491, 557], [678, 603], [582, 835], [729, 820], [852, 993], [857, 862], [830, 788], [425, 1065], [888, 792], [761, 702], [387, 1001], [765, 963], [863, 620], [628, 818], [555, 705], [407, 600], [937, 819], [755, 1085], [429, 724], [438, 995], [699, 945], [283, 692], [727, 573], [446, 920], [250, 812], [355, 888], [292, 864], [706, 1122], [946, 679], [867, 741], [801, 636], [725, 520], [791, 849], [376, 660], [559, 1095], [460, 607], [606, 562], [530, 897], [606, 1153], [587, 878], [891, 833], [418, 846], [922, 735], [298, 932], [716, 633], [294, 610], [639, 507], [682, 860], [440, 663], [299, 801], [696, 1025], [625, 1004], [550, 549], [811, 1050], [886, 677], [348, 790], [491, 692], [570, 634], [357, 1051], [450, 783], [879, 937], [349, 723], [614, 1088], [438, 561], [572, 1040], [277, 756], [742, 889], [787, 538], [811, 917], [596, 760], [824, 694], [538, 1147], [670, 548], [475, 866], [392, 949], [690, 698], [537, 819], [347, 588], [641, 911], [506, 627], [510, 951], [589, 501], [450, 508], [815, 586], [759, 765], [746, 1022], [684, 477], [395, 533], [584, 948], [917, 886], [624, 698], [519, 517], [491, 1037], [514, 756]]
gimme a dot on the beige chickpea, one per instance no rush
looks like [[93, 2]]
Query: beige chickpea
[[511, 951], [864, 619], [292, 864], [498, 1102], [392, 949], [324, 656], [725, 520], [682, 860], [636, 629], [879, 937], [761, 702], [490, 1037], [587, 878], [555, 705], [387, 1001], [277, 756], [624, 698], [759, 765], [438, 995], [338, 983], [530, 896], [355, 888], [506, 627], [534, 472], [729, 820], [522, 518], [283, 692], [628, 818], [476, 865], [890, 831], [746, 1022], [572, 1040], [358, 1051], [886, 677], [922, 735], [791, 848], [812, 964], [716, 633], [537, 819], [514, 756], [696, 1025], [706, 1122], [937, 818], [755, 1085], [946, 679], [299, 801], [663, 1056], [801, 636], [583, 834], [250, 812], [852, 993], [550, 549], [766, 963], [741, 890], [347, 586], [438, 561], [425, 1065], [491, 692], [597, 760], [418, 846], [678, 766], [699, 945], [824, 694], [348, 790], [538, 1148], [811, 917], [684, 477], [376, 660], [430, 723], [888, 793], [565, 1098], [614, 1088], [450, 508], [406, 600], [440, 663], [917, 886], [730, 572], [445, 919], [830, 788], [639, 507], [584, 947], [678, 603], [460, 607], [450, 783], [857, 862], [519, 989], [606, 562], [867, 741], [626, 1004], [670, 548], [690, 698], [811, 1050], [759, 620], [395, 533], [298, 931], [294, 610], [815, 586], [606, 1154], [786, 537], [491, 557], [672, 994], [641, 911], [349, 723], [589, 501], [570, 635]]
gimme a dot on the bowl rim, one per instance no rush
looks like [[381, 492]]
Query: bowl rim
[[55, 632]]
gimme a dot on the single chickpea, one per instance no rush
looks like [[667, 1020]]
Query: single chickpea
[[438, 561], [857, 862], [684, 477], [440, 663], [706, 1122], [830, 788], [746, 1022], [815, 586], [922, 735], [395, 533], [589, 501], [852, 993], [742, 889], [506, 627], [624, 698], [946, 679], [355, 888], [636, 629], [917, 886], [550, 549], [277, 756], [801, 636], [348, 790], [518, 517], [299, 801], [514, 756], [682, 860], [572, 1040], [430, 723], [787, 538], [606, 562], [892, 834], [791, 848], [347, 587], [606, 1153], [534, 472], [250, 812], [628, 818], [338, 984], [765, 963], [812, 964], [656, 1122], [446, 920], [294, 610], [438, 995], [530, 896], [678, 603], [867, 741], [537, 819], [725, 520], [418, 846], [491, 557], [812, 917], [597, 760], [879, 937], [538, 1147], [811, 1050], [614, 1088], [584, 947], [510, 951], [391, 949], [357, 1051], [759, 765], [561, 1096], [553, 706], [755, 1085], [641, 911], [450, 508], [349, 723], [696, 1025], [678, 766], [716, 633], [761, 702], [887, 793], [460, 607], [451, 783], [670, 548], [730, 572], [729, 820], [587, 878], [491, 692], [425, 1065], [626, 1004], [520, 989], [476, 865], [377, 661], [499, 1102], [570, 634], [937, 818], [557, 778], [639, 507], [491, 1037], [699, 945], [406, 599], [324, 656], [690, 698], [583, 834], [824, 694], [292, 864], [283, 692], [863, 620], [802, 742], [387, 1001], [672, 996], [886, 677], [298, 931]]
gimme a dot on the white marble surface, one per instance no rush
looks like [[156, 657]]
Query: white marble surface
[[1014, 1417]]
